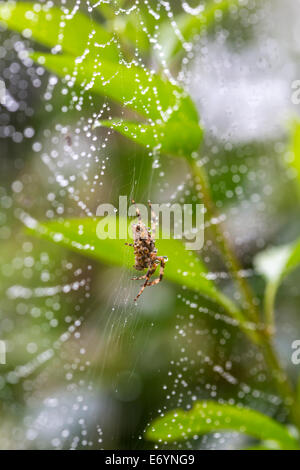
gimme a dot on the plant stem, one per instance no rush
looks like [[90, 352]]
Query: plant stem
[[278, 374], [270, 293], [249, 328], [233, 263]]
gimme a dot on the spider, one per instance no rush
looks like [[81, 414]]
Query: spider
[[145, 252]]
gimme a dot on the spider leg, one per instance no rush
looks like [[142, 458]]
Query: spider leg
[[129, 244], [153, 222], [149, 273], [139, 278], [161, 272], [137, 211]]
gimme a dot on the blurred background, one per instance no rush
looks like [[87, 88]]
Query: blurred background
[[86, 368]]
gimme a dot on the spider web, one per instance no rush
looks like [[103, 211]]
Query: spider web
[[87, 368]]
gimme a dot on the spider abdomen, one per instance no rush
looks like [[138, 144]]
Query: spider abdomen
[[145, 253], [142, 256]]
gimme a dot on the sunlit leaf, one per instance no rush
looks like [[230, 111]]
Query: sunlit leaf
[[208, 416], [52, 26], [176, 138]]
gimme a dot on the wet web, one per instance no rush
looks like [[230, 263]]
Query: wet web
[[87, 368]]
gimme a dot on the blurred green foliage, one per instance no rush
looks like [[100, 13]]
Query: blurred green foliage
[[171, 126]]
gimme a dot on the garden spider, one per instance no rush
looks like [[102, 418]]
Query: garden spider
[[145, 252]]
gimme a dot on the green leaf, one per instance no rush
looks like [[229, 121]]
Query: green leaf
[[132, 86], [271, 445], [107, 9], [191, 25], [263, 447], [188, 135], [167, 106], [183, 267], [208, 416], [129, 30], [52, 26], [91, 59], [294, 160], [298, 389], [275, 264]]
